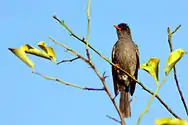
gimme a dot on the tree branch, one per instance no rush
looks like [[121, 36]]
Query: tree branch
[[89, 62], [88, 26], [70, 60], [175, 76], [67, 83], [112, 118]]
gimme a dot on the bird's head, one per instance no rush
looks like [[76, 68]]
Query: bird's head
[[123, 30]]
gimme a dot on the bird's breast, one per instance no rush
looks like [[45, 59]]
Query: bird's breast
[[125, 56]]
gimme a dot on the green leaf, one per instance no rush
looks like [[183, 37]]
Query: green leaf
[[170, 121], [173, 58], [152, 66]]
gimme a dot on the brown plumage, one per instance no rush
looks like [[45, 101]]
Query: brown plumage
[[125, 54]]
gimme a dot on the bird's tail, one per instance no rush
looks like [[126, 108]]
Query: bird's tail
[[125, 104]]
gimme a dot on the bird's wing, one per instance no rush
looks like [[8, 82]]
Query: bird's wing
[[133, 83], [114, 72], [115, 81], [138, 61]]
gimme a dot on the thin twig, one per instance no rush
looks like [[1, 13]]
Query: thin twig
[[69, 49], [175, 76], [88, 31], [176, 29], [88, 26], [161, 101], [97, 73], [68, 60], [104, 75], [77, 37], [151, 99], [114, 119], [106, 59], [58, 80], [95, 89], [67, 83]]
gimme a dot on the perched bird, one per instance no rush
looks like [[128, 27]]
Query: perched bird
[[125, 54]]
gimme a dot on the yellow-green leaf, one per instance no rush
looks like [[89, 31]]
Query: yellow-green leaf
[[173, 58], [152, 66], [34, 51], [42, 45], [170, 121], [51, 53], [46, 52], [49, 50], [26, 47], [20, 53]]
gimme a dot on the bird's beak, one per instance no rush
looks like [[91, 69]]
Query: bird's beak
[[117, 27]]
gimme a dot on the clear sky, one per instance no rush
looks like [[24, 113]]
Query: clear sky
[[28, 99]]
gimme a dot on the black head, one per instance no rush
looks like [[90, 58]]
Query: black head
[[123, 29]]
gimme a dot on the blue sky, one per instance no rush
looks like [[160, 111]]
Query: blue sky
[[28, 99]]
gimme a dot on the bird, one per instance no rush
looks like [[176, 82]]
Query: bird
[[125, 54]]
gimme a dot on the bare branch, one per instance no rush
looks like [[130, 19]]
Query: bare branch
[[70, 60], [88, 26], [104, 75], [77, 37], [58, 80], [100, 89], [176, 29], [114, 119], [67, 83], [175, 76]]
